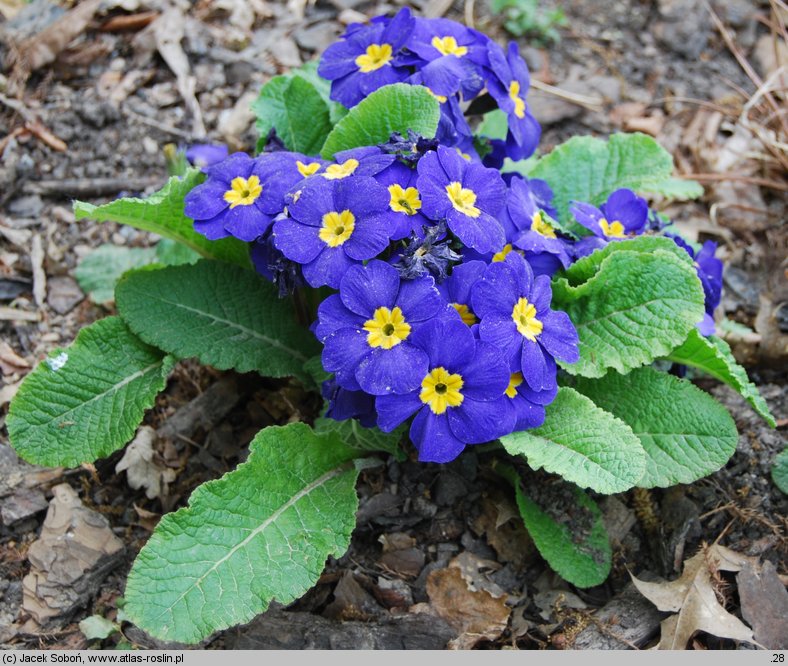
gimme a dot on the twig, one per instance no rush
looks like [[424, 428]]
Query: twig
[[590, 103], [78, 187], [765, 182], [169, 129], [12, 314], [469, 6]]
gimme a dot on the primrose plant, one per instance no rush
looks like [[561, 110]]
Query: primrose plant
[[396, 245]]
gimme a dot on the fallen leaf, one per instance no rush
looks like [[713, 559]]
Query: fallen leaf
[[764, 604], [142, 470], [39, 276], [10, 361], [475, 613], [694, 600]]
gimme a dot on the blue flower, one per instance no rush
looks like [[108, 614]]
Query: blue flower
[[206, 154], [515, 314], [508, 84], [367, 329], [367, 58], [449, 56], [467, 195], [236, 200], [344, 404], [405, 202], [622, 216], [457, 289], [364, 161], [274, 266], [523, 408], [409, 149], [333, 225], [458, 398], [710, 273]]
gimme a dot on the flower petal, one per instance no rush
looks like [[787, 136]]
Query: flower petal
[[475, 422], [298, 242], [365, 288], [328, 268], [433, 437], [397, 370], [393, 409]]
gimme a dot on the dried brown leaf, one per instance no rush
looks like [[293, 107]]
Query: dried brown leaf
[[693, 599], [141, 467]]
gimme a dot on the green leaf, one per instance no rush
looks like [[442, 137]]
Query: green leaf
[[295, 109], [96, 627], [780, 471], [587, 267], [224, 315], [358, 437], [86, 401], [714, 357], [685, 432], [589, 169], [308, 71], [393, 108], [494, 125], [567, 528], [638, 307], [260, 533], [162, 213], [99, 271], [583, 444]]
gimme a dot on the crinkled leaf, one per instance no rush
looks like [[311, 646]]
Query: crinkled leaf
[[713, 356], [589, 169], [780, 471], [635, 309], [162, 213], [583, 444], [686, 433], [295, 109], [86, 401], [308, 71], [567, 528], [357, 436], [99, 271], [587, 267], [393, 108], [224, 315], [258, 534]]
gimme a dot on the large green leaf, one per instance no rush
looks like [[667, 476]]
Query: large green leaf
[[358, 437], [224, 315], [393, 108], [100, 270], [685, 432], [780, 471], [295, 109], [637, 307], [714, 357], [567, 528], [86, 401], [583, 444], [260, 533], [589, 169], [162, 213]]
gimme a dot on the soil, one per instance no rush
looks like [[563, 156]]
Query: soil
[[660, 67]]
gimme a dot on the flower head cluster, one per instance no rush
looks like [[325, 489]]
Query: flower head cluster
[[709, 270]]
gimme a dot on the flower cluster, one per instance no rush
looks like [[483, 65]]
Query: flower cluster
[[440, 266]]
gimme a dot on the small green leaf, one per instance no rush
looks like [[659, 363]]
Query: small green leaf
[[295, 109], [99, 271], [780, 471], [224, 315], [713, 356], [358, 437], [308, 71], [685, 432], [96, 627], [393, 108], [494, 125], [260, 533], [583, 444], [86, 401], [637, 307], [589, 169], [162, 213], [567, 528]]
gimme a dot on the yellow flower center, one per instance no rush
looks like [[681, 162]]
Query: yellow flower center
[[500, 256], [307, 169], [243, 191], [441, 98], [524, 317], [464, 156], [519, 103], [541, 227], [449, 46], [611, 229], [387, 328], [462, 199], [377, 56], [467, 316], [337, 171], [337, 227], [441, 390], [514, 381], [404, 200]]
